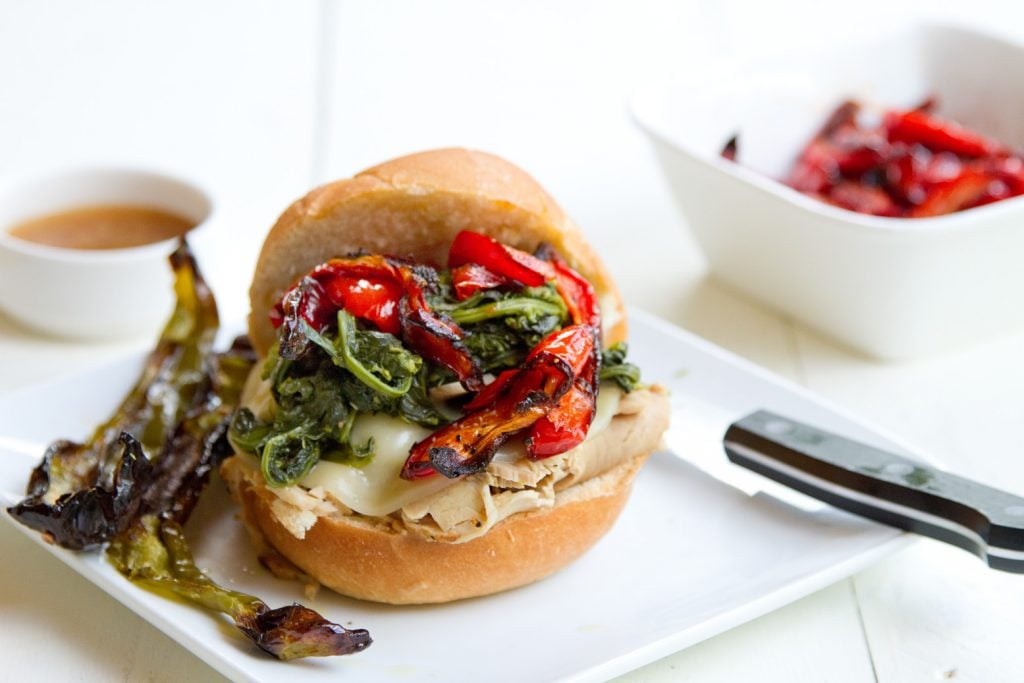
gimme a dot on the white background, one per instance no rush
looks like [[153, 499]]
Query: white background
[[260, 100]]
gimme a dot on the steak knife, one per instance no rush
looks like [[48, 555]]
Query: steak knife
[[882, 486]]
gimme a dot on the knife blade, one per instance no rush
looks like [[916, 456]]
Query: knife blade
[[882, 486]]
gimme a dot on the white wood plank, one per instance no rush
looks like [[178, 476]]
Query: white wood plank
[[935, 611], [818, 638]]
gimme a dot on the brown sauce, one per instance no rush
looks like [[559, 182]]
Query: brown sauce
[[103, 227]]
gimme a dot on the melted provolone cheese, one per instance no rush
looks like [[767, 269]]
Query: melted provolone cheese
[[376, 487]]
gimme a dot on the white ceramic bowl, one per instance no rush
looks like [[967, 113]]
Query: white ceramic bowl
[[91, 294], [890, 287]]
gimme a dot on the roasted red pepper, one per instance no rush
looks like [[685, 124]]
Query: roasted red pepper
[[914, 164], [365, 286], [952, 194], [468, 444], [490, 393], [575, 290], [938, 135], [817, 168], [375, 300], [567, 424], [387, 292], [470, 278], [731, 148], [863, 199], [472, 247]]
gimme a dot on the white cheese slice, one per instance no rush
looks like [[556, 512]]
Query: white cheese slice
[[377, 489]]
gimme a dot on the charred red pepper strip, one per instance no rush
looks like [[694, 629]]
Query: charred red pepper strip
[[470, 278], [863, 199], [903, 173], [366, 286], [468, 444], [388, 292], [434, 336], [731, 148], [305, 301], [375, 300], [472, 247], [567, 342], [438, 340], [817, 167], [567, 425], [491, 392], [938, 135], [858, 151], [578, 294], [815, 171], [572, 345], [954, 194], [1010, 171]]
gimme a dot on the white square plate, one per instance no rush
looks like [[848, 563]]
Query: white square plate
[[689, 558]]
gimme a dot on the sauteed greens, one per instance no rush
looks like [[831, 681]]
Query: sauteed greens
[[135, 482], [614, 368], [348, 370]]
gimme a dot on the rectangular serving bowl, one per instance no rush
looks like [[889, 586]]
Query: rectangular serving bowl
[[892, 288]]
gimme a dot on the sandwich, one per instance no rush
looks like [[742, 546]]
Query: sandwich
[[445, 407]]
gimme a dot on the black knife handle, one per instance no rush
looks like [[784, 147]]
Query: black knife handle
[[882, 486]]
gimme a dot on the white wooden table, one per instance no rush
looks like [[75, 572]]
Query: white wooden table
[[259, 100]]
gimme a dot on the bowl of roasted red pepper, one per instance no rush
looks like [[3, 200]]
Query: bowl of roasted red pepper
[[873, 192]]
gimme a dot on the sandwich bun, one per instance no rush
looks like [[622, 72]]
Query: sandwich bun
[[414, 206]]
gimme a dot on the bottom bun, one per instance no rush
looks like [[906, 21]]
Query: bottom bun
[[365, 559]]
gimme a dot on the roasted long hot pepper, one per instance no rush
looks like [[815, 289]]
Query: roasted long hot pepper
[[135, 482]]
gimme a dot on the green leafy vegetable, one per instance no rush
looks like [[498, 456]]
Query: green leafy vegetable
[[319, 399], [615, 368], [501, 327], [376, 359], [289, 456]]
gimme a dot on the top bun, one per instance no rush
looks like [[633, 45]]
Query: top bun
[[414, 206]]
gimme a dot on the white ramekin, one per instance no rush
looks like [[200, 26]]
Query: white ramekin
[[91, 294]]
